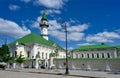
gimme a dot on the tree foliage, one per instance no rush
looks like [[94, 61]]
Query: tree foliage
[[20, 59], [4, 53]]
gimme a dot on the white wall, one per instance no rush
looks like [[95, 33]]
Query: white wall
[[112, 52]]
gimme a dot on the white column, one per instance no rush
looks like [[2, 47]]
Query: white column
[[14, 65], [115, 53]]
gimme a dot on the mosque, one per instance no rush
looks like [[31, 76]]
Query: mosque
[[49, 54], [37, 47]]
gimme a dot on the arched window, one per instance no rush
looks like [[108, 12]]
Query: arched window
[[102, 55], [15, 54], [88, 56], [42, 55], [46, 55], [82, 55], [92, 55], [97, 55], [28, 54], [108, 55]]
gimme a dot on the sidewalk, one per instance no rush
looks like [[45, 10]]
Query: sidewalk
[[75, 73]]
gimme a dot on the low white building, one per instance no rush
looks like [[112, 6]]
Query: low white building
[[95, 51], [100, 57], [32, 44]]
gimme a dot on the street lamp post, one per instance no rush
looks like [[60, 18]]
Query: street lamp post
[[67, 69]]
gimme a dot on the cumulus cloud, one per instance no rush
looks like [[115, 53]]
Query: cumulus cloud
[[103, 37], [13, 7], [84, 44], [78, 28], [35, 24], [75, 32], [56, 4], [73, 35], [12, 29], [26, 1], [51, 11]]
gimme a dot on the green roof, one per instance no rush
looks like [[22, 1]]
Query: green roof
[[44, 16], [118, 46], [34, 38], [91, 47]]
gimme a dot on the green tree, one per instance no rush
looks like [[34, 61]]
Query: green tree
[[4, 53], [37, 55], [20, 59]]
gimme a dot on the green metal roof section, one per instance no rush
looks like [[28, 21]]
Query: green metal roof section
[[34, 38], [92, 47], [118, 46], [44, 16]]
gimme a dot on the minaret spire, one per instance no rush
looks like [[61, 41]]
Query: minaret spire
[[44, 26]]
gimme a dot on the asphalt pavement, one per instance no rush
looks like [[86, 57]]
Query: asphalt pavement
[[56, 73]]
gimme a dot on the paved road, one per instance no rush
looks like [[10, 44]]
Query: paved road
[[9, 74], [35, 73]]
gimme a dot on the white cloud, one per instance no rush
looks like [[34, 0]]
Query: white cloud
[[78, 28], [75, 33], [26, 1], [12, 29], [56, 4], [75, 36], [54, 25], [13, 7], [84, 44], [69, 48], [35, 24], [51, 11], [103, 37]]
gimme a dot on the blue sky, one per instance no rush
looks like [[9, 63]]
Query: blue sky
[[88, 21]]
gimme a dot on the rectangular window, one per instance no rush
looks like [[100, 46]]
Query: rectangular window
[[97, 55], [92, 55], [82, 56], [28, 54], [42, 55], [108, 55], [88, 55], [102, 55], [46, 55]]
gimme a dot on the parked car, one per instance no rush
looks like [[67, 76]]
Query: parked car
[[3, 65]]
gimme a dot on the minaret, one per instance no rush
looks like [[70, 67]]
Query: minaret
[[44, 26]]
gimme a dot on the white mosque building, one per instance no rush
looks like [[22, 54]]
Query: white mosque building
[[33, 45]]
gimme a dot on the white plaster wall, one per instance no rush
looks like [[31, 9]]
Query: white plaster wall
[[111, 51], [20, 49]]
